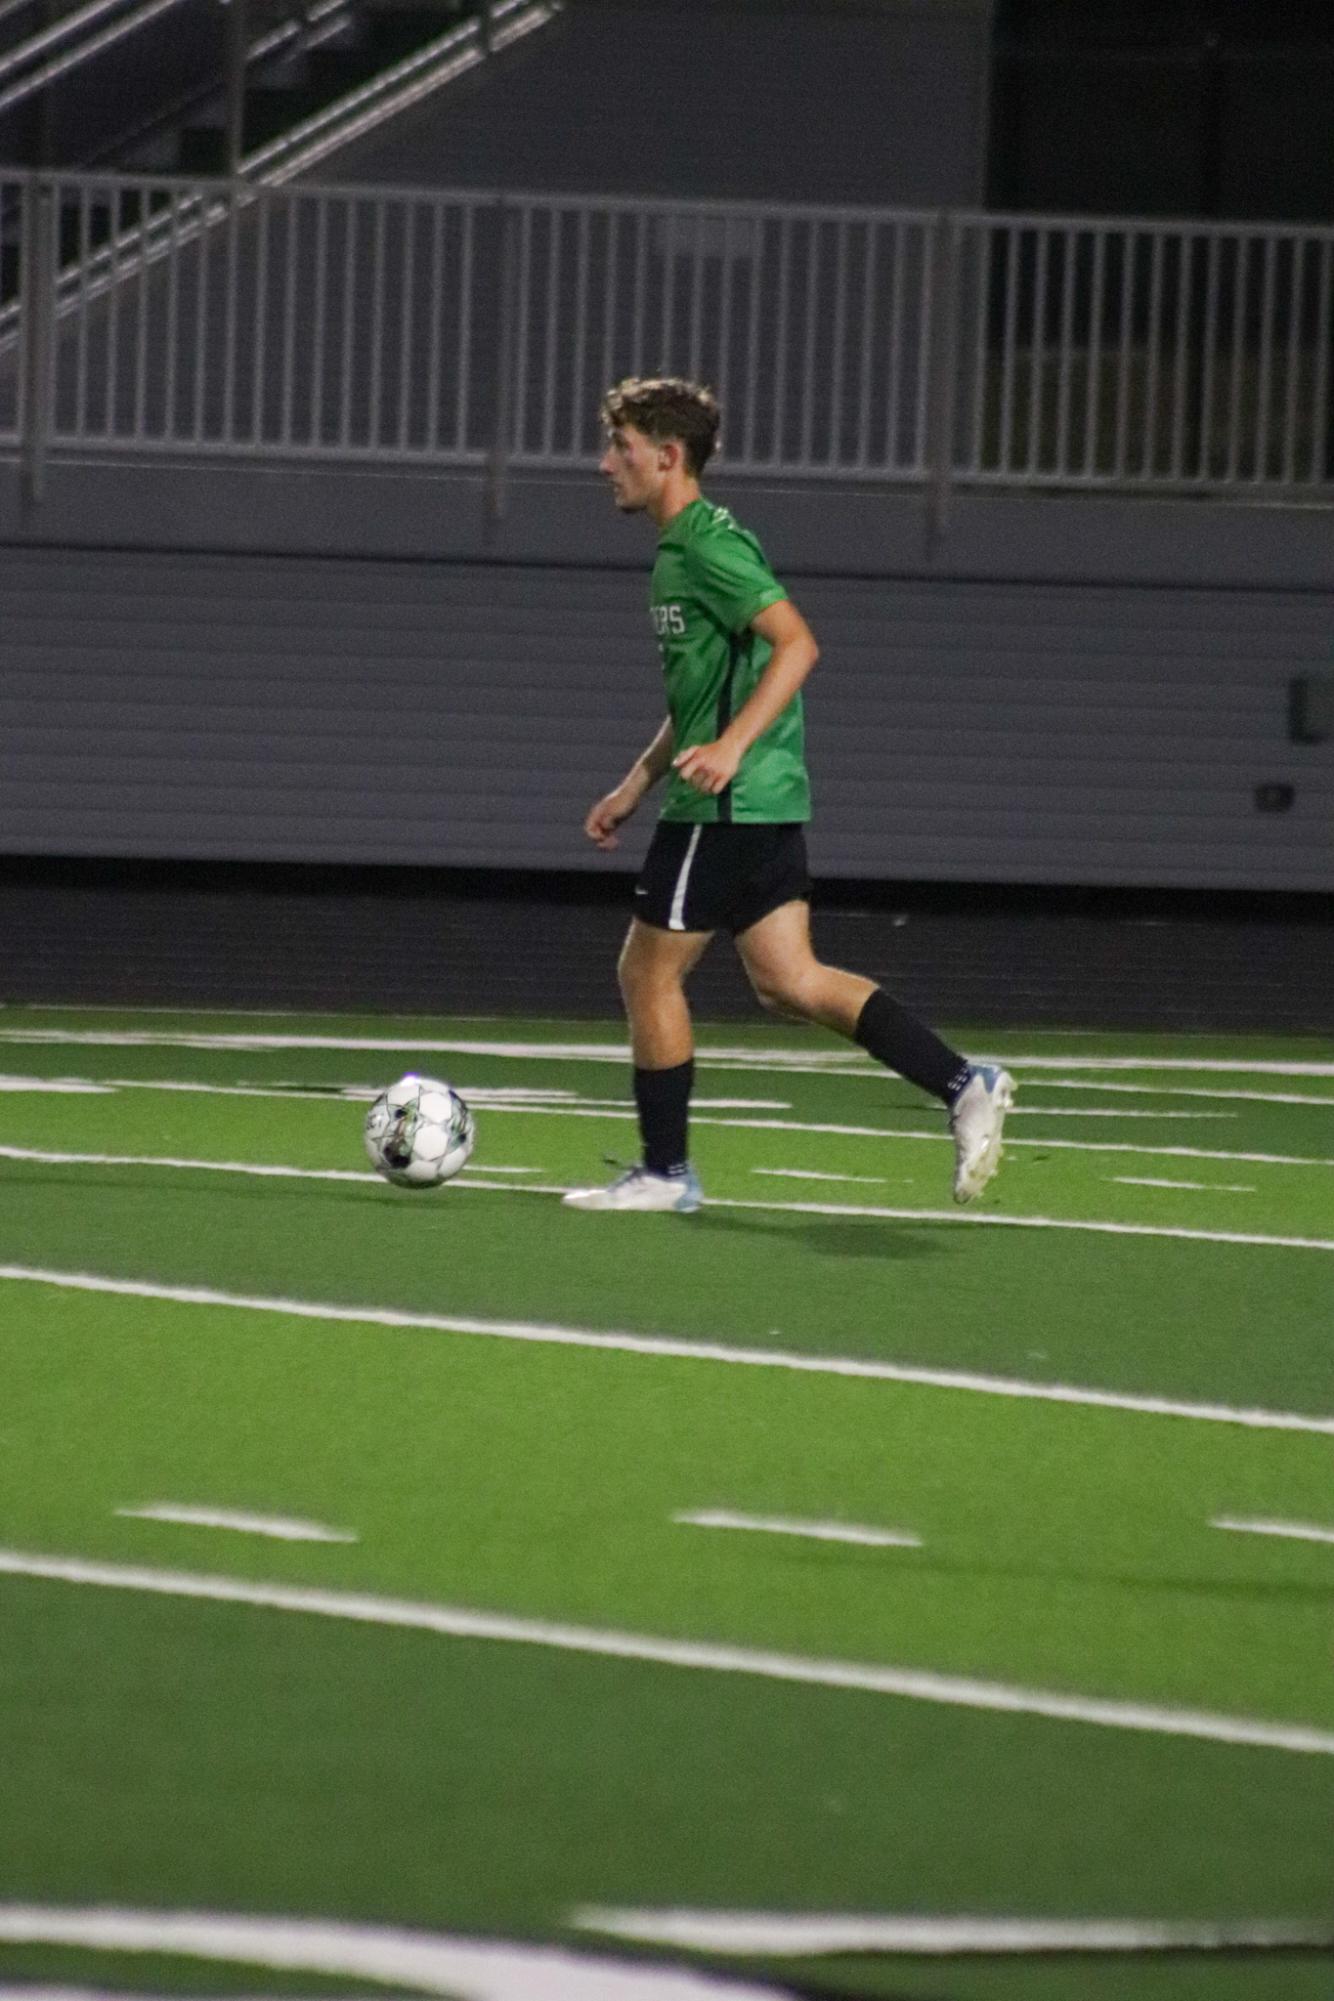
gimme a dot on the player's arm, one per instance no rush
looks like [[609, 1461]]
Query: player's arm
[[711, 766], [651, 765]]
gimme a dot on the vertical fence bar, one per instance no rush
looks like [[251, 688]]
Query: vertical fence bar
[[261, 316], [81, 339], [1180, 364], [1125, 336], [1298, 247], [582, 315], [985, 239], [230, 311], [1146, 467], [1322, 448], [1066, 363], [780, 349], [926, 321], [349, 323], [521, 328], [38, 330], [513, 240], [1093, 387], [753, 340], [1264, 382], [641, 292], [113, 314], [407, 308], [291, 269], [555, 222], [433, 336], [321, 272], [1038, 352], [722, 374], [840, 334], [172, 318], [870, 260], [669, 227], [697, 299], [467, 280], [1238, 357], [942, 297], [201, 334], [376, 385], [1009, 350], [141, 323], [812, 335], [1209, 342], [610, 298]]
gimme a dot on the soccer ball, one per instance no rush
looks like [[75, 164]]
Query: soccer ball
[[419, 1133]]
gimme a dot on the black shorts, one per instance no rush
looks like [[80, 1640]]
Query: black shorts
[[720, 876]]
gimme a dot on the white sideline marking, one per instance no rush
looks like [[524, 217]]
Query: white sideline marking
[[785, 1126], [1152, 1181], [674, 1350], [720, 1056], [1292, 1531], [815, 1174], [723, 1518], [781, 1934], [465, 1969], [1105, 1112], [284, 1528], [1181, 1091], [65, 1086], [463, 1623], [967, 1218]]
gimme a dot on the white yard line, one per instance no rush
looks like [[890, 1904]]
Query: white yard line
[[465, 1969], [477, 1183], [783, 1934], [726, 1518], [465, 1623], [1289, 1531], [709, 1057], [283, 1528], [1208, 1187], [671, 1348], [817, 1174]]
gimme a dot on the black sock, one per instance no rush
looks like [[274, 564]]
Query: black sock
[[887, 1032], [663, 1098]]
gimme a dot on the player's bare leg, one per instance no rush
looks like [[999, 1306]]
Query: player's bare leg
[[787, 976], [653, 969]]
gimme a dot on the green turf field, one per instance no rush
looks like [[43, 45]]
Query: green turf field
[[1075, 1666]]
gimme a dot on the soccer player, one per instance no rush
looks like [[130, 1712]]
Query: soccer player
[[729, 850]]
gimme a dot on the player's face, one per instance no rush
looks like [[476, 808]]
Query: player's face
[[634, 466]]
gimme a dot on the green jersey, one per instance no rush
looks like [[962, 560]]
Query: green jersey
[[710, 580]]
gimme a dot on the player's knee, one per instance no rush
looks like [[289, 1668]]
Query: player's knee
[[787, 993]]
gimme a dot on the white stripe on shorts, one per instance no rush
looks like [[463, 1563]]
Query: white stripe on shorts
[[676, 921]]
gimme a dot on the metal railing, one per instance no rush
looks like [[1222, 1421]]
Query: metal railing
[[158, 317]]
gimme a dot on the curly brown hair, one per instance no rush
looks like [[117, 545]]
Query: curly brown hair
[[667, 409]]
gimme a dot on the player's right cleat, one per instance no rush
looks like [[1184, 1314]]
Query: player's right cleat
[[977, 1120], [638, 1189]]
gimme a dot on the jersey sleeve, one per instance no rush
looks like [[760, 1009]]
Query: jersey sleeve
[[731, 579]]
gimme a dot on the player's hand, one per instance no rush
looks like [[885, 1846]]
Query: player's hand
[[709, 767], [604, 818]]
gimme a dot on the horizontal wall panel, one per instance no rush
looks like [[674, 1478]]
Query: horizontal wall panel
[[299, 709]]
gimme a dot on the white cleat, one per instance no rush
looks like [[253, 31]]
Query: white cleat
[[638, 1189], [977, 1121]]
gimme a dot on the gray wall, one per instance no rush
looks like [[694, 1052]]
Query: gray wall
[[880, 101], [345, 710]]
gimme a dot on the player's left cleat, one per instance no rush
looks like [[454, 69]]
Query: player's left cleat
[[638, 1189], [977, 1121]]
